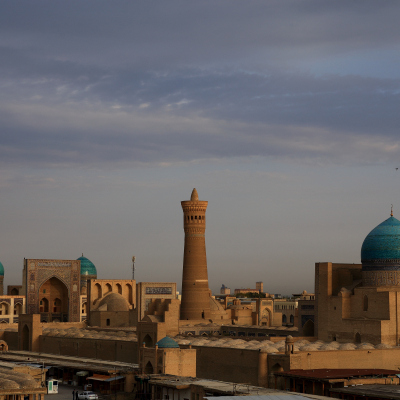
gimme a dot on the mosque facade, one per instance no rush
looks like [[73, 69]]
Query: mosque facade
[[361, 302]]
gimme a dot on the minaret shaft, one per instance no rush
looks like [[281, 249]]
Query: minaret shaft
[[195, 302]]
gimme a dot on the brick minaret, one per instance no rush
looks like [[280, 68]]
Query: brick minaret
[[195, 292]]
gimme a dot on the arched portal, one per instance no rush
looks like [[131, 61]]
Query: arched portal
[[14, 292], [265, 317], [277, 382], [308, 328], [17, 309], [44, 305], [149, 368], [97, 291], [119, 288], [4, 308], [357, 338], [25, 338], [148, 341], [54, 300], [129, 291]]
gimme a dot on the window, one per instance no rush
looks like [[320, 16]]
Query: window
[[365, 303]]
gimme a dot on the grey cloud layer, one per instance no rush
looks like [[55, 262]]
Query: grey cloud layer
[[93, 83]]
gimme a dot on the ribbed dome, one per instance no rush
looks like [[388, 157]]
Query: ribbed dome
[[114, 302], [167, 343], [381, 247], [1, 269], [87, 267]]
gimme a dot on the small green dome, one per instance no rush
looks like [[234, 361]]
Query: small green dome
[[87, 267], [381, 247], [167, 343], [1, 269]]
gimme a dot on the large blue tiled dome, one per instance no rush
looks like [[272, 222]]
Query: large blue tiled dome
[[167, 343], [1, 269], [381, 247], [87, 267]]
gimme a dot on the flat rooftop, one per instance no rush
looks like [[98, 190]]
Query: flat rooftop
[[371, 391]]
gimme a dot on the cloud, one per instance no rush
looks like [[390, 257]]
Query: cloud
[[95, 84]]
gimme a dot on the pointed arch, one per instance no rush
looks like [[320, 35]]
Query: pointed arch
[[98, 291], [149, 368], [119, 288], [17, 309], [130, 293], [357, 338], [308, 328], [54, 299], [4, 308], [148, 341]]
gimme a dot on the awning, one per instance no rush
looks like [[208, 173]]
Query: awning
[[82, 373], [105, 378]]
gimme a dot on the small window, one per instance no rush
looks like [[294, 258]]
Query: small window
[[195, 217], [108, 322], [191, 217], [44, 290], [365, 303]]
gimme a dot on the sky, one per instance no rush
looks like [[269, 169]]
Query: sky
[[283, 114]]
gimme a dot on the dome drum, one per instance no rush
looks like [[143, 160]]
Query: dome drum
[[381, 265]]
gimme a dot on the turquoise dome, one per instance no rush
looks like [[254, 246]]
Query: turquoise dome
[[1, 269], [87, 267], [167, 343], [381, 248]]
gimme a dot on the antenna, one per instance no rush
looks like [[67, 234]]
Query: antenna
[[133, 267]]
